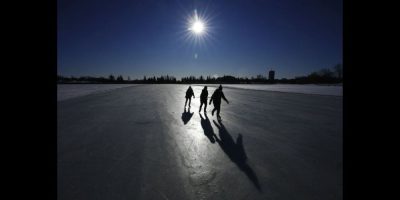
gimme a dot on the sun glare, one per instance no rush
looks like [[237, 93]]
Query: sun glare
[[197, 27]]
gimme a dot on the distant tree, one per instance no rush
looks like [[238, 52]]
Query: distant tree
[[338, 69], [111, 78], [120, 78], [325, 73]]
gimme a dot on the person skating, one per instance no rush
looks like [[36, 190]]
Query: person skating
[[203, 98], [216, 99], [189, 94]]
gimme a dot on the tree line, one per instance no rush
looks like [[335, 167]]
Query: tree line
[[116, 80], [323, 76]]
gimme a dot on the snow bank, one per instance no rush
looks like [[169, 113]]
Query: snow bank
[[68, 91], [292, 88]]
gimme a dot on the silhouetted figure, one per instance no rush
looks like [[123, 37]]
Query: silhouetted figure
[[235, 152], [203, 98], [207, 128], [186, 116], [216, 99], [189, 94]]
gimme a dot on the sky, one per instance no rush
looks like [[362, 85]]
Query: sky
[[242, 38]]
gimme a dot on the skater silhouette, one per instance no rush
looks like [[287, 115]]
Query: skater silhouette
[[203, 98], [186, 116], [207, 128], [235, 151], [189, 94], [216, 99]]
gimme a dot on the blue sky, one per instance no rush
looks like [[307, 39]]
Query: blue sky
[[243, 37]]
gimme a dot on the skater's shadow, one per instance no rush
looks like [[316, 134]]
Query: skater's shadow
[[235, 152], [207, 128], [186, 116]]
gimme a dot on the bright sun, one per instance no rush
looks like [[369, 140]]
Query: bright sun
[[197, 27]]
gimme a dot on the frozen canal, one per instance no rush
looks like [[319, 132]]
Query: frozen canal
[[334, 90], [138, 143], [69, 91]]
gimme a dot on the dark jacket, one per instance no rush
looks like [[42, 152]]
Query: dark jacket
[[204, 95], [216, 97], [189, 93]]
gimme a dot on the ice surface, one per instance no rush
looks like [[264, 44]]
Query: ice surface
[[140, 143], [68, 91], [333, 90]]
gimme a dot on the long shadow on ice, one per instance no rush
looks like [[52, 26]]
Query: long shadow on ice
[[235, 152], [186, 116], [207, 128]]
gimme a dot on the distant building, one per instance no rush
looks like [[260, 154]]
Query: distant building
[[271, 75]]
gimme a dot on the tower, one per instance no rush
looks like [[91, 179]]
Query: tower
[[271, 75]]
